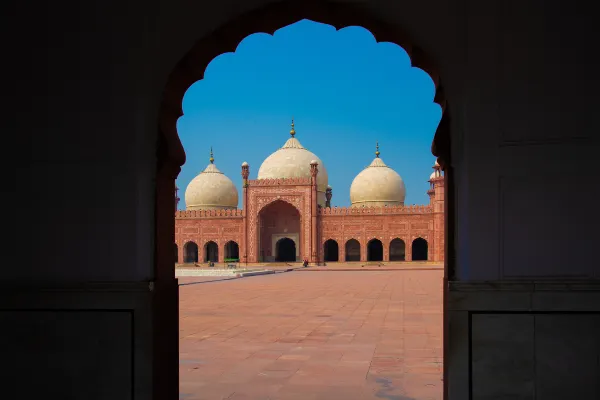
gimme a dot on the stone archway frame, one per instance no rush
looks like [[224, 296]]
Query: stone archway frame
[[259, 199], [294, 237], [267, 19], [171, 155]]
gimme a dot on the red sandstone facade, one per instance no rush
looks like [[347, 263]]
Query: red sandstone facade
[[278, 209]]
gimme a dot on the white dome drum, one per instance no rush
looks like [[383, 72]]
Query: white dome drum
[[377, 185], [293, 161], [211, 190]]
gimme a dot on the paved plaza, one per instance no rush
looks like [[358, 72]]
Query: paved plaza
[[313, 335]]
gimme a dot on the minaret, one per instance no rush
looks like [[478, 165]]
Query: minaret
[[244, 248], [328, 196], [176, 198], [437, 201], [313, 210]]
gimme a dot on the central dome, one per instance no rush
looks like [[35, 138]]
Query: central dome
[[377, 185], [293, 161]]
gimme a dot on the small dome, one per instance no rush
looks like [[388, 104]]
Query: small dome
[[432, 176], [244, 164], [377, 185], [294, 161], [211, 189]]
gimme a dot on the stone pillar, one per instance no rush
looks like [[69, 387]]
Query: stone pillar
[[408, 250], [342, 251], [437, 251], [221, 253], [244, 242], [180, 253], [363, 251], [386, 249], [313, 210]]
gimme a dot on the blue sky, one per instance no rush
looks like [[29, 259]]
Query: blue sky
[[345, 92]]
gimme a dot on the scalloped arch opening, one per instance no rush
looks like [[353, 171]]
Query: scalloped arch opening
[[269, 19]]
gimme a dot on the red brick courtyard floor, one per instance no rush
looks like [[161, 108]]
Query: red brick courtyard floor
[[313, 335]]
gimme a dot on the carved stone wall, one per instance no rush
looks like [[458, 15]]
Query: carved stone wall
[[202, 230]]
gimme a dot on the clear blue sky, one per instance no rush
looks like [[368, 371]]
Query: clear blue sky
[[345, 92]]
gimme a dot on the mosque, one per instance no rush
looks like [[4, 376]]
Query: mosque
[[287, 215]]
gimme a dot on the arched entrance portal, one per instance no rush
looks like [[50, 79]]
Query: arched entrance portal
[[232, 251], [211, 252], [375, 250], [279, 220], [352, 250], [419, 249], [397, 250], [331, 250], [190, 252], [285, 250]]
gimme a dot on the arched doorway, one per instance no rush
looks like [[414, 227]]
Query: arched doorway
[[352, 250], [279, 220], [232, 251], [419, 249], [285, 250], [176, 253], [211, 252], [331, 250], [397, 250], [190, 252], [374, 250]]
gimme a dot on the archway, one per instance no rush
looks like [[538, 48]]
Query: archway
[[211, 252], [352, 250], [176, 253], [278, 220], [285, 250], [331, 250], [232, 251], [419, 249], [397, 250], [375, 250], [226, 38], [190, 251]]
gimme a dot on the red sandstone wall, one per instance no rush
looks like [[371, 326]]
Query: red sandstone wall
[[200, 230], [364, 227]]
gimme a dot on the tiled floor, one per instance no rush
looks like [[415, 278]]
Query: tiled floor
[[313, 336]]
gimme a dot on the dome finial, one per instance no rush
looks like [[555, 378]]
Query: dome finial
[[211, 159], [292, 131], [377, 153]]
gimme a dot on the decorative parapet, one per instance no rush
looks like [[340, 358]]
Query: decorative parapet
[[208, 213], [393, 210], [280, 182]]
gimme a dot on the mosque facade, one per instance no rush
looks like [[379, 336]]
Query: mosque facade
[[287, 215]]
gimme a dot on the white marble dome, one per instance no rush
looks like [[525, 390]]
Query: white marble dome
[[210, 190], [377, 185], [293, 161]]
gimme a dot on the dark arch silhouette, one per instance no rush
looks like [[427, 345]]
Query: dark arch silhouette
[[419, 249], [331, 251], [352, 250], [176, 253], [232, 250], [211, 252], [285, 250], [190, 252], [397, 250], [374, 250]]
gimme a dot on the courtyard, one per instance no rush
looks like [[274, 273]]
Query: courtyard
[[313, 335]]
